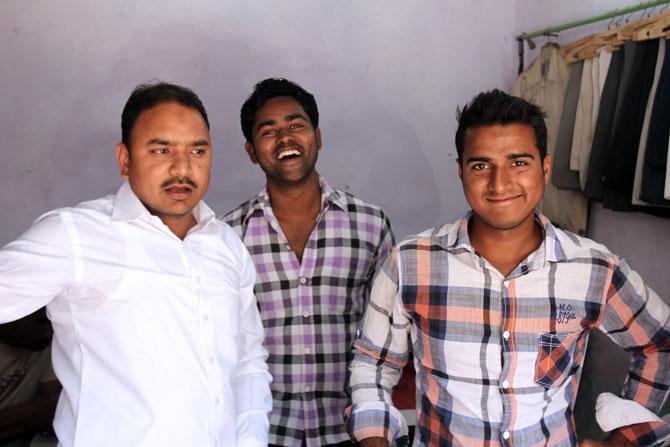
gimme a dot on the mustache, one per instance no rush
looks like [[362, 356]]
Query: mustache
[[179, 181]]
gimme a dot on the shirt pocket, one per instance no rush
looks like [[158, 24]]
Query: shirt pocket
[[556, 358]]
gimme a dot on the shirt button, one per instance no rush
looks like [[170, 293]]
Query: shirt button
[[307, 389], [505, 384], [210, 359], [505, 335], [305, 314], [505, 435], [307, 351], [506, 283], [303, 280], [288, 247], [216, 401], [205, 317]]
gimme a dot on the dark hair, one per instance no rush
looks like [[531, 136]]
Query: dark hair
[[146, 96], [497, 107], [271, 88]]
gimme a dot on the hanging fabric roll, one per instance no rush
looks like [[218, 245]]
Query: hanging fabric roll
[[544, 83], [653, 175], [621, 156], [644, 134], [561, 175], [602, 131]]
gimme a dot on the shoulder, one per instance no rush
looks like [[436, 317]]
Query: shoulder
[[359, 208], [437, 236], [576, 247], [83, 214], [237, 217]]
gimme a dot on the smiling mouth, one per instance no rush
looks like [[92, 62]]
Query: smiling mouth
[[502, 200], [288, 154]]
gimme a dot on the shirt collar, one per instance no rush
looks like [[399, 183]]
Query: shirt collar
[[261, 203], [550, 249], [128, 207]]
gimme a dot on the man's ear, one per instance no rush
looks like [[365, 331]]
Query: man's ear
[[123, 159], [546, 167], [460, 169], [251, 152], [317, 136]]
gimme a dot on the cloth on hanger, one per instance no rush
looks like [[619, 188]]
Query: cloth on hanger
[[666, 195], [644, 134], [622, 154], [653, 174], [589, 96], [599, 68], [544, 84], [601, 134], [561, 175]]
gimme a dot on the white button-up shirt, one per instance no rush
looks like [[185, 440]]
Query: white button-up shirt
[[157, 341]]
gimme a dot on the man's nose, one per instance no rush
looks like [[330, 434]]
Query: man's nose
[[181, 163], [499, 179]]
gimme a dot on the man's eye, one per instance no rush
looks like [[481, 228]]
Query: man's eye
[[198, 151], [479, 166], [160, 150], [297, 126], [519, 163], [268, 132]]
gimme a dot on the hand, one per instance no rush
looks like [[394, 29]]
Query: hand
[[374, 442], [616, 439]]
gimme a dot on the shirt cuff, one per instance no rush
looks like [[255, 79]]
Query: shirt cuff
[[636, 423], [376, 419]]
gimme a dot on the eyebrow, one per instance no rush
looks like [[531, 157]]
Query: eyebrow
[[514, 156], [161, 142]]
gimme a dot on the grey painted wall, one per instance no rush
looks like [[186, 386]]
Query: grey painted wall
[[387, 74]]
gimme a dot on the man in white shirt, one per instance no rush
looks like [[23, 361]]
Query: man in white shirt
[[157, 337]]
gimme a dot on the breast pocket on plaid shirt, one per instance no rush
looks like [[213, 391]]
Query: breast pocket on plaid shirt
[[556, 358]]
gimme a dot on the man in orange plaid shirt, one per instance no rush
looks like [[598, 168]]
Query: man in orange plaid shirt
[[499, 307]]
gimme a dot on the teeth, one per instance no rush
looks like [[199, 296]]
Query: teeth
[[288, 153]]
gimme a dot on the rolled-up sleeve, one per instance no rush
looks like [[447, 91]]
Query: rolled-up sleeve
[[638, 320], [380, 353]]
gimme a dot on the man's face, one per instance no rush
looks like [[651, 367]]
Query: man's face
[[502, 174], [169, 161], [285, 143]]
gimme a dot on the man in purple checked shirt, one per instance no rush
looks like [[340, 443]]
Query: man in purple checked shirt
[[316, 250]]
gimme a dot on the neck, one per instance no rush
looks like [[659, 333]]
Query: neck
[[179, 225], [505, 249], [295, 200]]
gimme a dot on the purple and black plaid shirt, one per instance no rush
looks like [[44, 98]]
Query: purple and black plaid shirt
[[312, 311]]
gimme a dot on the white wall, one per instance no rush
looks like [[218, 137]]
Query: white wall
[[387, 76]]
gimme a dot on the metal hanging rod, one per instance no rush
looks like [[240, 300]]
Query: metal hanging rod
[[597, 18]]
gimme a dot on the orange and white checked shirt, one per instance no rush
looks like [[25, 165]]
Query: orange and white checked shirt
[[499, 359]]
